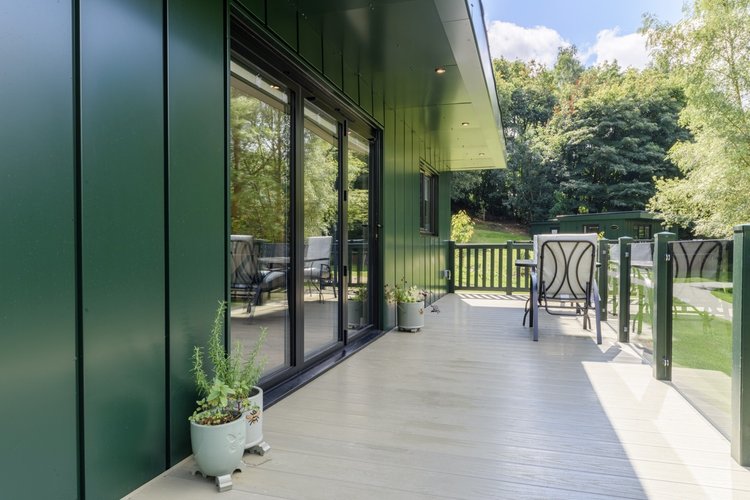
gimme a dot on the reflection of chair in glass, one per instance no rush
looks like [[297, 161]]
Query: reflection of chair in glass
[[564, 278], [318, 264], [248, 281]]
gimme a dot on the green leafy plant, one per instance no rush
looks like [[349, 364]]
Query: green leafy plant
[[389, 294], [224, 395], [358, 294], [462, 227], [403, 292]]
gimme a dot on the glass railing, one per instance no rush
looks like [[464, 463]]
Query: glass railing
[[702, 326], [641, 298], [613, 282]]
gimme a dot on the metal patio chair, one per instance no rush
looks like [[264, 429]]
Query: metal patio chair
[[318, 265], [563, 282]]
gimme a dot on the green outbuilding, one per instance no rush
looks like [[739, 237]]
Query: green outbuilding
[[637, 224]]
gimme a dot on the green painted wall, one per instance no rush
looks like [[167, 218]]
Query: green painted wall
[[114, 158], [197, 188], [123, 244], [38, 456]]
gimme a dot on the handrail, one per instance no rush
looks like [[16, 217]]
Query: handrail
[[491, 266]]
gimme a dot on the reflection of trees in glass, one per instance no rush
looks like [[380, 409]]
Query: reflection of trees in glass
[[259, 158], [321, 195], [358, 194]]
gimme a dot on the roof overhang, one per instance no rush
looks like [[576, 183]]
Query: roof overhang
[[400, 43]]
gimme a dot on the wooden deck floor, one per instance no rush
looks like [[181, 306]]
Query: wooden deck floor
[[470, 408]]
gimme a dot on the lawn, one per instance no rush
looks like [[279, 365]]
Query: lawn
[[494, 232]]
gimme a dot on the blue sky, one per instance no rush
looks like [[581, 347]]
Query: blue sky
[[601, 30]]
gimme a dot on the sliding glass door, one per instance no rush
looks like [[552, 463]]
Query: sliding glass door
[[300, 216], [260, 204], [322, 220]]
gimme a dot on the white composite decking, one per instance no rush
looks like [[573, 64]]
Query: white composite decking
[[470, 408]]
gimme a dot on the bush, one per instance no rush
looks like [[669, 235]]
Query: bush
[[462, 227]]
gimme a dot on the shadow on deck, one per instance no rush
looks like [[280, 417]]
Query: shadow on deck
[[472, 408]]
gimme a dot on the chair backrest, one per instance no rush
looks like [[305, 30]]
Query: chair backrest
[[318, 250], [244, 260], [565, 264]]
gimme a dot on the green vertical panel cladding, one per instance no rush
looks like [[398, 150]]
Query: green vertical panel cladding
[[123, 270], [255, 7], [740, 438], [332, 60], [37, 268], [444, 223], [196, 94], [310, 42], [281, 17], [400, 228], [388, 203]]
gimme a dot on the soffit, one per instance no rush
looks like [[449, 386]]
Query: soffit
[[398, 44]]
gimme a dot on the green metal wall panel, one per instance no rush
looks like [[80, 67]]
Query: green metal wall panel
[[37, 290], [311, 43], [196, 94], [281, 16], [123, 270], [255, 7], [400, 193], [389, 201], [332, 61]]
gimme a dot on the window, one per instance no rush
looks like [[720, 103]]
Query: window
[[427, 201], [591, 228], [642, 231]]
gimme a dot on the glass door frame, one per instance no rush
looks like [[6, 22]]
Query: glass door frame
[[248, 48]]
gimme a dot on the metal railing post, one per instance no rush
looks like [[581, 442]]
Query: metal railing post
[[623, 314], [452, 266], [603, 276], [509, 267], [662, 312], [740, 434]]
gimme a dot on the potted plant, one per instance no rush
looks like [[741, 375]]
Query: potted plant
[[250, 395], [410, 306], [217, 431], [355, 306]]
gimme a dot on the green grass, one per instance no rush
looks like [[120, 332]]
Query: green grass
[[724, 294], [490, 233], [700, 340]]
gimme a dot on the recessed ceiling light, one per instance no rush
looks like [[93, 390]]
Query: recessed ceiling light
[[481, 154], [464, 124], [275, 87], [440, 70]]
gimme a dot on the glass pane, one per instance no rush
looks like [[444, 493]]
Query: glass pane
[[702, 326], [321, 198], [358, 305], [260, 214], [642, 297]]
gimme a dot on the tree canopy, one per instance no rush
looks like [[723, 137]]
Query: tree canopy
[[708, 52]]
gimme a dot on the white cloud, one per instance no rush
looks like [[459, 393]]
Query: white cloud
[[512, 42], [628, 50]]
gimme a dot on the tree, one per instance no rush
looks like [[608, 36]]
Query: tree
[[614, 140], [708, 52]]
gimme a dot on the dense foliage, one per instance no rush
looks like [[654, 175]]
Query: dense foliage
[[708, 52], [579, 140]]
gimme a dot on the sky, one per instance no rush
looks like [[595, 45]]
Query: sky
[[602, 30]]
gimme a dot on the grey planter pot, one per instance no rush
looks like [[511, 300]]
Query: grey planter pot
[[218, 449], [354, 314], [410, 315], [254, 420]]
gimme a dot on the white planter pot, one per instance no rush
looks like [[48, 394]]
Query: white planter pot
[[218, 449], [254, 419], [410, 315]]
